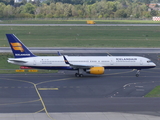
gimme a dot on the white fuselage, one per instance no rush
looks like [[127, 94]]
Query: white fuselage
[[108, 62]]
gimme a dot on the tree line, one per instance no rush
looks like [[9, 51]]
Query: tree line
[[77, 9]]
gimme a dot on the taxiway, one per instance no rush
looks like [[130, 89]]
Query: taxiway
[[117, 91]]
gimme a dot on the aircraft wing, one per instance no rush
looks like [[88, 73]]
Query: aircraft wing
[[83, 66]]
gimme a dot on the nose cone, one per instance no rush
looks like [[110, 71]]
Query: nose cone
[[153, 64]]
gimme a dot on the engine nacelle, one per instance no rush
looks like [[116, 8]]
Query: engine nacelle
[[96, 70]]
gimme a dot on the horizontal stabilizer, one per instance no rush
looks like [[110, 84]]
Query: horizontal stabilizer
[[18, 61]]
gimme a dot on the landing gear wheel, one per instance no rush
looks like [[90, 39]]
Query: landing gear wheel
[[76, 74], [138, 72], [80, 75], [137, 75]]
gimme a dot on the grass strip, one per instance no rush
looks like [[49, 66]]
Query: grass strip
[[154, 93], [84, 36], [80, 21]]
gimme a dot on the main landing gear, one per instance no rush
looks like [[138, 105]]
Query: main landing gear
[[138, 73], [79, 74]]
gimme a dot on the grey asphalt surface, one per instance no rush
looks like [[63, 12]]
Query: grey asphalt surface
[[115, 91], [79, 50], [117, 94]]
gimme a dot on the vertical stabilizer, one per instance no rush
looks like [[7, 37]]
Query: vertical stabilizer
[[18, 48]]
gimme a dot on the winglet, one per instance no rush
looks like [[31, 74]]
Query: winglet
[[65, 60], [59, 53]]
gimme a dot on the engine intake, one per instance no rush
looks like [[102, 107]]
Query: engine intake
[[96, 70]]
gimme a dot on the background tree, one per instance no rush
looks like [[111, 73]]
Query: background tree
[[153, 13], [78, 8], [120, 13], [29, 8], [2, 6], [8, 11]]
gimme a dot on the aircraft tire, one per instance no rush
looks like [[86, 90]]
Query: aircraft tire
[[76, 74], [80, 75]]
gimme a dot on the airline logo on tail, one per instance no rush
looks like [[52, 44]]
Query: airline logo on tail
[[17, 46]]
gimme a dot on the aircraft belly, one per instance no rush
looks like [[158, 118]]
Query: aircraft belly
[[52, 67]]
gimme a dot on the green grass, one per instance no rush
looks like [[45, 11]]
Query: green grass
[[126, 22], [4, 64], [83, 21], [154, 93], [92, 36]]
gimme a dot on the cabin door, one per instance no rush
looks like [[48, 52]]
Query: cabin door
[[141, 63], [111, 62], [34, 62]]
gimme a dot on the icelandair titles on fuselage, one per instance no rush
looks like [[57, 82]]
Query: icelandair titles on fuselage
[[126, 59], [22, 55]]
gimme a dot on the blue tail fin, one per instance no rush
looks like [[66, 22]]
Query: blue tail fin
[[65, 60], [18, 48]]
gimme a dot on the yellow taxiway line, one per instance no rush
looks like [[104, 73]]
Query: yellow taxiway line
[[47, 88]]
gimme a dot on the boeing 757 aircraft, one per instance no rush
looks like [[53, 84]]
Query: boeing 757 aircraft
[[89, 64]]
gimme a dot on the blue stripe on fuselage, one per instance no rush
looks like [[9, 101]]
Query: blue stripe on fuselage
[[52, 68], [106, 67]]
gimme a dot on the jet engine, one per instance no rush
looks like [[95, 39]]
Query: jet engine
[[96, 70]]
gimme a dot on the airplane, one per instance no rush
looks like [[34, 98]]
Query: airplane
[[89, 64]]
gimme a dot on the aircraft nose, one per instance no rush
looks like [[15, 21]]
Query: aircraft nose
[[154, 64]]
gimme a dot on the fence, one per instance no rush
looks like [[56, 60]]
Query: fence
[[156, 18]]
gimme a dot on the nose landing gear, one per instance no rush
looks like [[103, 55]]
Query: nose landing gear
[[138, 73]]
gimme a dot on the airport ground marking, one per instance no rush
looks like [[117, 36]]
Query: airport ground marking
[[35, 85], [40, 111], [137, 87], [44, 106], [136, 83], [40, 98], [55, 80], [47, 88]]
